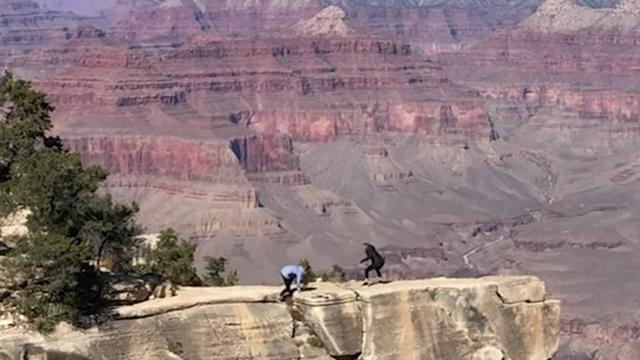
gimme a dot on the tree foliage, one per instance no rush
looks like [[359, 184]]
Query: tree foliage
[[215, 269], [49, 266], [309, 275], [25, 115], [173, 258], [71, 226]]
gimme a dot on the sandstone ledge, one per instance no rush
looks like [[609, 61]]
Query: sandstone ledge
[[188, 297], [440, 319]]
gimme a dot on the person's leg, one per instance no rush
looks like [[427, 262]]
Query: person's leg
[[377, 266], [366, 273], [287, 286]]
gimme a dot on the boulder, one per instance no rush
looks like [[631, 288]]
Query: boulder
[[133, 289], [126, 290]]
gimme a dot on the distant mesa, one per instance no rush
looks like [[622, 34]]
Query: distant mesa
[[330, 21]]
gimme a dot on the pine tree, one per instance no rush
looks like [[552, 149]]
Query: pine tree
[[173, 258], [309, 275], [71, 226], [215, 268]]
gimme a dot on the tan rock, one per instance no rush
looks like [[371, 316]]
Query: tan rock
[[488, 353], [125, 290], [330, 21], [455, 318], [492, 318], [334, 316], [308, 343], [520, 289], [14, 224]]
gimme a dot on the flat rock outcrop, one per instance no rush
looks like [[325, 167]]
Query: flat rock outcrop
[[440, 319]]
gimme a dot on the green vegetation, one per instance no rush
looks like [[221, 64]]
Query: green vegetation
[[71, 227], [215, 269], [309, 275], [173, 258], [74, 231]]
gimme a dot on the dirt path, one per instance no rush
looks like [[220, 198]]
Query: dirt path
[[467, 256]]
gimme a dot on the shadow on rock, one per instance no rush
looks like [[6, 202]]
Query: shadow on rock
[[31, 352]]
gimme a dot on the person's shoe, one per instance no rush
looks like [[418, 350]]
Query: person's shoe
[[366, 282]]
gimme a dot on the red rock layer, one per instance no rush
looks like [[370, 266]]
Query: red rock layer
[[313, 89], [168, 157], [218, 162], [439, 29], [171, 20], [25, 23], [265, 153], [585, 77], [607, 53]]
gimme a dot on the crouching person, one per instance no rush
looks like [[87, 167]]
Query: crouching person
[[290, 273]]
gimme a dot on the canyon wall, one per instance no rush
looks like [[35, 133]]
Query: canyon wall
[[570, 65], [272, 130], [439, 319], [436, 27]]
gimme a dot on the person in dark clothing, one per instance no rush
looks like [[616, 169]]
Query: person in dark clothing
[[290, 273], [377, 261]]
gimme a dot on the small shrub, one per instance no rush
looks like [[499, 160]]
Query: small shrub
[[309, 275], [232, 278], [173, 258], [215, 268]]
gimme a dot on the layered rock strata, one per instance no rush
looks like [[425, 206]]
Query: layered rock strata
[[444, 319], [309, 88], [570, 65]]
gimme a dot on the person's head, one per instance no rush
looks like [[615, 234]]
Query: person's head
[[366, 244]]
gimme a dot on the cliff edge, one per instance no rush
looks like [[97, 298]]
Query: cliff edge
[[491, 318]]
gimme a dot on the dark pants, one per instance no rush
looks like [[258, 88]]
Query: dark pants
[[376, 265], [287, 285]]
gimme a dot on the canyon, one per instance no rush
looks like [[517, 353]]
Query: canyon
[[462, 138]]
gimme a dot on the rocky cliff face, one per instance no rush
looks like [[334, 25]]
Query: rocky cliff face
[[567, 73], [301, 81], [213, 113], [171, 20], [271, 130], [26, 24], [569, 65], [436, 27], [443, 319]]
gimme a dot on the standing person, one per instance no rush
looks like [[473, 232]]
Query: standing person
[[290, 273], [377, 262]]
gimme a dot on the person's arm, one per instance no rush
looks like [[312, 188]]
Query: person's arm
[[364, 260], [299, 280]]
